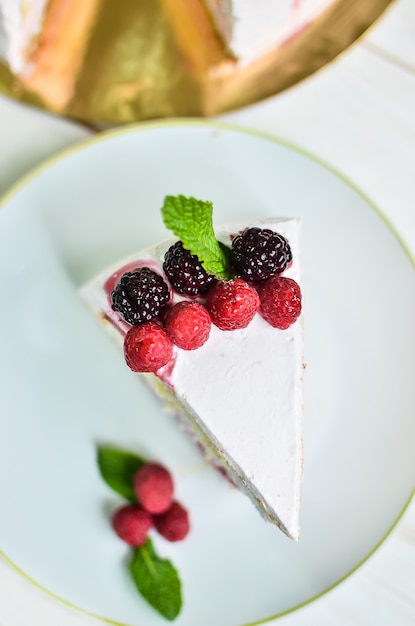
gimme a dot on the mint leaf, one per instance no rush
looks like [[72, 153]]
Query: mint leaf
[[117, 468], [191, 221], [157, 580]]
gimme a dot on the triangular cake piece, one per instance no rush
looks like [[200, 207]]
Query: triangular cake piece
[[240, 395]]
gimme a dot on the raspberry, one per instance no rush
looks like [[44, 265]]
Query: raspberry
[[188, 325], [140, 295], [174, 524], [232, 304], [147, 348], [185, 272], [260, 253], [280, 301], [132, 523], [153, 487]]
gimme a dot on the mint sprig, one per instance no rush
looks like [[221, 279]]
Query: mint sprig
[[157, 580], [191, 221], [117, 468]]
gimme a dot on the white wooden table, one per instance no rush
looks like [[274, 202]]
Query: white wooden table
[[358, 114]]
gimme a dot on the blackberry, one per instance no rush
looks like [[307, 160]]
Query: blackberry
[[260, 253], [185, 272], [140, 295]]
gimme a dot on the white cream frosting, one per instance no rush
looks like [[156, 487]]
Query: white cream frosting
[[20, 22], [241, 391], [258, 26]]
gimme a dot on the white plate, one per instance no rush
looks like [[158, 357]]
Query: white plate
[[64, 386]]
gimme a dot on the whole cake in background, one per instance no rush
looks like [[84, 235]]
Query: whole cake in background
[[249, 28], [108, 62]]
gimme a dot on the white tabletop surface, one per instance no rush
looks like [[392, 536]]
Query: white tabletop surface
[[357, 114]]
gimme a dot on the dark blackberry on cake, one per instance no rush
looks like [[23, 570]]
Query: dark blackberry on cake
[[185, 272], [140, 296], [260, 253]]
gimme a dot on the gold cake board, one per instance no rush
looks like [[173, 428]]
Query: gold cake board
[[102, 65]]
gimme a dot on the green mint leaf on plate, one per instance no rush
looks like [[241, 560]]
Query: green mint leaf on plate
[[157, 580], [117, 468], [191, 221]]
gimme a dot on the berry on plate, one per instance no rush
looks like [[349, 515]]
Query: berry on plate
[[174, 524], [132, 523], [281, 301], [140, 295], [260, 253], [232, 304], [147, 348], [153, 487], [188, 325]]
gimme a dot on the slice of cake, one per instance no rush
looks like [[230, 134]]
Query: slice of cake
[[235, 384]]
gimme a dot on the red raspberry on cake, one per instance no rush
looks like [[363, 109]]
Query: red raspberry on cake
[[174, 524], [281, 301], [153, 487], [132, 523], [232, 304], [188, 325], [147, 348]]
